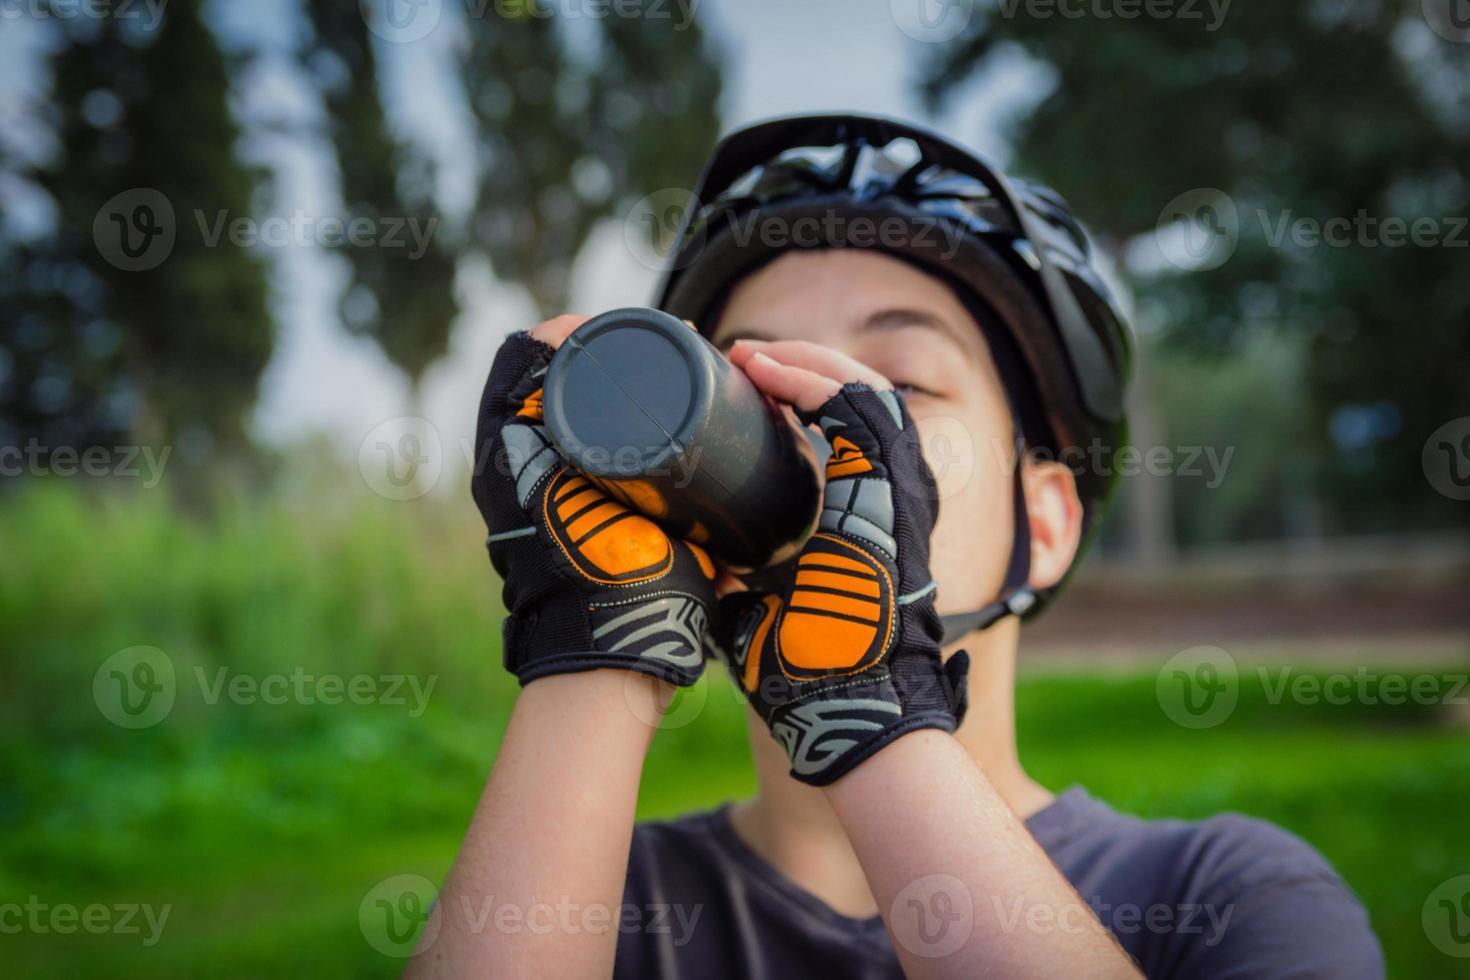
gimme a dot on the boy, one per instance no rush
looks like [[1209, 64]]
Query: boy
[[883, 283]]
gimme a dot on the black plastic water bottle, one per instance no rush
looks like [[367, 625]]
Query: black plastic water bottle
[[651, 411]]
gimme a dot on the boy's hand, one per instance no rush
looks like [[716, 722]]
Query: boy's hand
[[846, 658], [588, 582]]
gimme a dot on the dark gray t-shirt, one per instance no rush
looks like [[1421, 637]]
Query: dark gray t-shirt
[[1228, 897]]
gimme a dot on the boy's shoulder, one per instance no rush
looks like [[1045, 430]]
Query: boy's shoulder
[[1226, 852], [1186, 896]]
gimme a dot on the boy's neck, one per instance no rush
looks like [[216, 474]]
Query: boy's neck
[[791, 826]]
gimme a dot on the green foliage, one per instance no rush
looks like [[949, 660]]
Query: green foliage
[[263, 826]]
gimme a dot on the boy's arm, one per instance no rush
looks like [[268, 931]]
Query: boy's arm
[[963, 887], [605, 611], [538, 882]]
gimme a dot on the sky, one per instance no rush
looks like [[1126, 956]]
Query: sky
[[781, 56]]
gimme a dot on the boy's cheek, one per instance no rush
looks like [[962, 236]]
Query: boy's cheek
[[955, 451]]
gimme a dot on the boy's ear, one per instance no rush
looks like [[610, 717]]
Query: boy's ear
[[1055, 514]]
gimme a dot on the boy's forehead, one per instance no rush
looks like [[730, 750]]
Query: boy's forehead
[[840, 297]]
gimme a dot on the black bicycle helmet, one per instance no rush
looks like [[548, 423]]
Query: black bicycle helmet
[[1011, 249]]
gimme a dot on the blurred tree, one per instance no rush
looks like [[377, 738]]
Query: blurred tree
[[399, 296], [158, 323], [570, 126], [572, 129], [125, 316], [1300, 113]]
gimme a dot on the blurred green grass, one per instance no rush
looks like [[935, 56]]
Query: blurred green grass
[[263, 826]]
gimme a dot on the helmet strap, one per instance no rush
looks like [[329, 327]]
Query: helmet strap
[[1016, 594]]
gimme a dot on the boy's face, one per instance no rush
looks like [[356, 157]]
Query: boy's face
[[911, 328]]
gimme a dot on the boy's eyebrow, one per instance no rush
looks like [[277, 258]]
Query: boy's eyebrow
[[889, 319], [893, 319]]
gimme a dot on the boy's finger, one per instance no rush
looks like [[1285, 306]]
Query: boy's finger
[[807, 390], [557, 329], [812, 357]]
